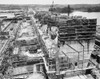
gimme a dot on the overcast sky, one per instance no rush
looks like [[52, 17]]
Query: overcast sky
[[49, 1]]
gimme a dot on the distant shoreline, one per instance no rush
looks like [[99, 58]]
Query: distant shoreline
[[87, 11], [76, 7]]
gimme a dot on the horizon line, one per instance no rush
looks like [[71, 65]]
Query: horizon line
[[54, 4]]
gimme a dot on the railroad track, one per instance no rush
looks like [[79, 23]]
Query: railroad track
[[7, 26], [5, 43], [44, 48]]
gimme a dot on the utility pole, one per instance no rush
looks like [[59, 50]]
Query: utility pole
[[52, 7], [69, 10], [52, 4], [0, 25], [57, 64], [0, 30]]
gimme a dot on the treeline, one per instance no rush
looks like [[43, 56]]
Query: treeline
[[87, 8], [93, 9], [10, 7], [67, 9], [14, 7], [81, 7]]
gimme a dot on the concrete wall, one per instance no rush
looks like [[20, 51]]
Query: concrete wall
[[73, 55]]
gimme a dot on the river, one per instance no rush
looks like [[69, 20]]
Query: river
[[88, 15]]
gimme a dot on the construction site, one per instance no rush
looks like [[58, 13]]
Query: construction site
[[47, 45]]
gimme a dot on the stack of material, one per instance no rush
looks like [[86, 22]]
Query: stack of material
[[33, 48], [18, 61], [26, 42], [77, 29]]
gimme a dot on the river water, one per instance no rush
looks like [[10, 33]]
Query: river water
[[88, 15]]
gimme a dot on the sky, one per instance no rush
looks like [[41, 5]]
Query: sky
[[49, 1]]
